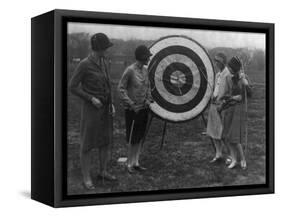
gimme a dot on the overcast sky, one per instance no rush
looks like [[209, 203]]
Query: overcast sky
[[207, 38]]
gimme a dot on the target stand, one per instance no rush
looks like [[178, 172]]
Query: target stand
[[181, 75], [150, 118]]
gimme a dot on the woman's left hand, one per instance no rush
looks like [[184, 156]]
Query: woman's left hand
[[148, 102], [237, 98], [244, 79]]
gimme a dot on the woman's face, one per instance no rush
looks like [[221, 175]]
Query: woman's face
[[234, 73], [145, 62], [101, 53], [219, 65]]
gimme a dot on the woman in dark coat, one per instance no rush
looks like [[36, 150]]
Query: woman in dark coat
[[233, 109], [91, 83]]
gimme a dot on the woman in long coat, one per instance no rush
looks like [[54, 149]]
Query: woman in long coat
[[233, 110], [91, 83]]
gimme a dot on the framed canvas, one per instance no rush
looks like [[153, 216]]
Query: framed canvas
[[135, 108]]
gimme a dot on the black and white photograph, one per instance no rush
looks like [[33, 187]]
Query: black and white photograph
[[148, 108], [158, 108]]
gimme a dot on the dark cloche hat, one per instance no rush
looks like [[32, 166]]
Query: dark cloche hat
[[142, 53], [235, 64], [220, 57], [100, 41]]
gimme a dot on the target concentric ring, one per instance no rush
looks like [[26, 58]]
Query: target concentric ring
[[181, 76], [166, 89]]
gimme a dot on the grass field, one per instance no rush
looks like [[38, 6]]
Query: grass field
[[184, 160]]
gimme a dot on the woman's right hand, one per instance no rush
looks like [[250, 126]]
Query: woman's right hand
[[96, 102], [134, 108]]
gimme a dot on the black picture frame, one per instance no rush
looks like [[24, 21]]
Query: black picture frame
[[48, 148]]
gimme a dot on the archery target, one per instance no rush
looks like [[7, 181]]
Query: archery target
[[181, 76]]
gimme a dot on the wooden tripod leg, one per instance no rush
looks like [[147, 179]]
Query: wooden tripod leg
[[204, 120], [163, 135]]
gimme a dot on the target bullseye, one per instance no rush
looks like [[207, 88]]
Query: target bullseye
[[178, 79]]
